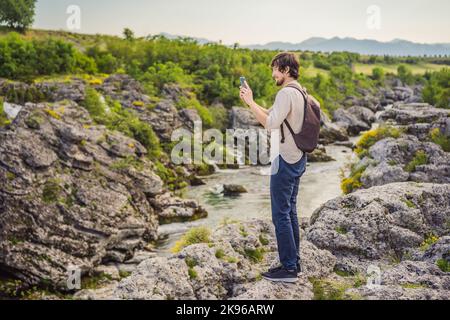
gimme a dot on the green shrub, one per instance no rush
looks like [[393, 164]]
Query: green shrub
[[353, 182], [429, 240], [263, 240], [437, 89], [405, 74], [254, 255], [378, 74], [203, 112], [126, 122], [440, 139], [193, 236], [220, 253], [51, 191], [443, 264], [3, 117], [25, 59], [369, 138], [93, 104], [419, 159]]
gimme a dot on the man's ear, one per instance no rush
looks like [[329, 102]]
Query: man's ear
[[288, 69]]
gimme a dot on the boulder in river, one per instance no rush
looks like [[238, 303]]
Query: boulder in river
[[233, 189]]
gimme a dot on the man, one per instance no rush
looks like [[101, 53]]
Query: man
[[291, 162]]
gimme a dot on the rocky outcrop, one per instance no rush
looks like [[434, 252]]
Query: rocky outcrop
[[172, 209], [404, 159], [389, 227], [346, 239], [226, 268], [331, 132], [73, 193], [243, 118], [382, 222], [399, 92], [162, 115], [51, 91], [354, 120], [418, 119]]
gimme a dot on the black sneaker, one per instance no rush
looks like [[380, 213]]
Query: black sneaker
[[281, 275], [299, 268]]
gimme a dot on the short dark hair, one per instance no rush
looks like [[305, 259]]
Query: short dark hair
[[284, 60]]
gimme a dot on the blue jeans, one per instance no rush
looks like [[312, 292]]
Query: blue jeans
[[284, 185]]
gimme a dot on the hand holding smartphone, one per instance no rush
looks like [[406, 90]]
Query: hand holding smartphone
[[243, 82]]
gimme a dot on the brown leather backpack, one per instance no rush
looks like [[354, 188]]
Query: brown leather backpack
[[308, 137]]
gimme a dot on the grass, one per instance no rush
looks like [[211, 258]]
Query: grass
[[417, 69], [313, 71], [440, 139], [341, 230], [413, 286], [429, 240], [4, 121], [443, 264], [96, 281], [53, 114], [34, 121], [220, 254], [193, 236], [191, 263], [126, 163], [192, 273], [231, 260], [254, 255], [330, 290], [243, 232], [93, 104], [264, 241], [419, 159], [409, 203], [51, 191]]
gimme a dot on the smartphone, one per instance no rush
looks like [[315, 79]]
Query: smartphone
[[243, 82]]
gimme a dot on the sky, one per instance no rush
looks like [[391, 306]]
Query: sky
[[256, 21]]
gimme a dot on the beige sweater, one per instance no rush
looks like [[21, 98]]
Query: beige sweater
[[289, 104]]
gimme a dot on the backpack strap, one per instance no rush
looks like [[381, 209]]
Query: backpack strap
[[305, 97]]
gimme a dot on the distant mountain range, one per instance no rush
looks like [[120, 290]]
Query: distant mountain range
[[396, 47]]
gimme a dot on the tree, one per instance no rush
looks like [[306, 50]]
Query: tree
[[128, 34], [17, 14], [378, 74]]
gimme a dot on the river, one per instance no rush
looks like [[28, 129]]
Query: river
[[320, 183]]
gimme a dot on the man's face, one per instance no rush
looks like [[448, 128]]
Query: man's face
[[279, 76]]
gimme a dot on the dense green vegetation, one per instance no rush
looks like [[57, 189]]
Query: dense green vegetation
[[211, 72], [208, 73]]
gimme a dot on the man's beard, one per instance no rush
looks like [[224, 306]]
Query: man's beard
[[280, 82]]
